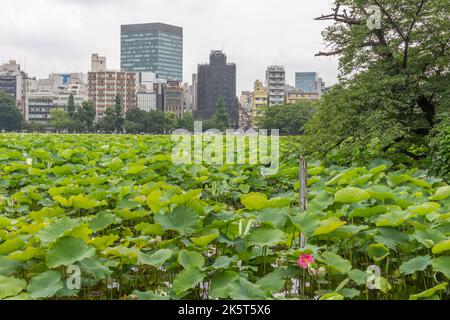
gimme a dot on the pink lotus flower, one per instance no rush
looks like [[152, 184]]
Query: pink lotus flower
[[305, 260]]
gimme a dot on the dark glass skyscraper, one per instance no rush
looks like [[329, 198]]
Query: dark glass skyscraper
[[218, 78], [152, 47]]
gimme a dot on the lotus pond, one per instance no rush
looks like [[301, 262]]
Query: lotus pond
[[111, 217]]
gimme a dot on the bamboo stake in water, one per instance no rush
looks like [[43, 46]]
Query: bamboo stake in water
[[303, 193]]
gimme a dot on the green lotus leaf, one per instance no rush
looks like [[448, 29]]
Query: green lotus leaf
[[10, 286], [191, 259], [377, 252], [255, 201], [156, 259], [358, 276], [11, 245], [350, 293], [221, 284], [416, 264], [154, 202], [207, 239], [19, 297], [186, 197], [328, 226], [266, 237], [425, 208], [135, 169], [393, 219], [102, 221], [8, 267], [96, 267], [321, 200], [46, 213], [391, 238], [332, 296], [351, 195], [127, 214], [82, 202], [45, 285], [441, 247], [25, 255], [442, 264], [336, 262], [223, 262], [102, 242], [306, 222], [430, 292], [4, 222], [183, 220], [68, 250], [127, 204], [58, 229], [244, 188], [186, 280], [128, 255], [276, 218], [429, 238], [367, 212], [150, 229], [243, 289], [274, 281], [441, 194]]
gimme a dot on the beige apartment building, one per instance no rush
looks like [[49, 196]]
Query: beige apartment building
[[104, 85], [295, 96], [259, 98]]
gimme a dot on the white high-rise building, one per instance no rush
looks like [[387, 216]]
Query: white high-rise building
[[275, 83]]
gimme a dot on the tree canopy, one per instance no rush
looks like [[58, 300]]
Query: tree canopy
[[10, 116], [394, 80], [289, 119]]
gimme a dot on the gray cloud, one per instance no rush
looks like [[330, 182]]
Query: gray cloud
[[59, 35]]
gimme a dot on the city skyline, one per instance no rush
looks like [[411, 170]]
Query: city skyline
[[245, 33]]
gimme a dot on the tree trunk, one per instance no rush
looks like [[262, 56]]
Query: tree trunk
[[427, 107]]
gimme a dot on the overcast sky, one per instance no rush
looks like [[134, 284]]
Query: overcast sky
[[60, 35]]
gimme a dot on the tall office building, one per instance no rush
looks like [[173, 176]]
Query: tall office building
[[216, 79], [309, 82], [154, 47], [12, 82], [275, 83]]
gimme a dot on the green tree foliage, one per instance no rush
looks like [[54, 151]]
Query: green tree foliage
[[393, 80], [71, 108], [113, 120], [10, 116], [108, 123], [119, 119], [170, 122], [289, 119], [85, 117], [155, 122], [60, 120], [186, 122], [439, 143], [221, 118], [32, 126], [135, 121]]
